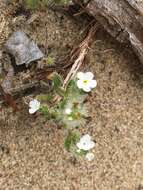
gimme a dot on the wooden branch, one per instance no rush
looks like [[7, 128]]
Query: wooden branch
[[123, 19], [21, 90]]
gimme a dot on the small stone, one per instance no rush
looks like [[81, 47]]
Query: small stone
[[22, 48]]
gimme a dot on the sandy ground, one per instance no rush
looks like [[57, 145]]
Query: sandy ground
[[32, 156]]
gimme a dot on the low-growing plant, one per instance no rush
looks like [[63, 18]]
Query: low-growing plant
[[70, 112]]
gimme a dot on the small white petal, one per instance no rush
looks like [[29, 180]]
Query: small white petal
[[89, 156], [88, 145], [89, 75], [91, 145], [84, 146], [86, 137], [79, 145], [86, 88], [34, 103], [68, 111], [34, 106], [31, 103], [80, 84], [32, 111], [93, 83], [80, 75]]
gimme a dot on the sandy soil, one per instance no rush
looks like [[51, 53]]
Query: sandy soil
[[32, 156]]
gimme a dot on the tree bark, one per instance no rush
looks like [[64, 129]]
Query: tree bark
[[123, 19]]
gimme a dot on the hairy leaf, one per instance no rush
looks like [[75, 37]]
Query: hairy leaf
[[57, 81], [71, 140]]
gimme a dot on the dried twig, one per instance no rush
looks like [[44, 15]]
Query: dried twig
[[21, 90], [80, 53], [2, 25]]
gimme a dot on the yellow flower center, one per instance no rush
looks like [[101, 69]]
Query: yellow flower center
[[85, 81]]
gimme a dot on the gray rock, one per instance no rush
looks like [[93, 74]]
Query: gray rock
[[22, 48]]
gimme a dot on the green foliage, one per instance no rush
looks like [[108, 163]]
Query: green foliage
[[81, 152], [50, 60], [44, 110], [57, 81], [70, 144], [71, 140], [74, 94], [57, 84], [44, 98], [32, 4], [48, 112], [72, 99]]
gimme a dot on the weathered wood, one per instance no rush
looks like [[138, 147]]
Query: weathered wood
[[22, 90], [123, 19]]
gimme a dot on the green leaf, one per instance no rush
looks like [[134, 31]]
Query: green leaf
[[81, 153], [57, 81], [72, 87], [71, 140], [74, 94], [62, 104], [44, 110], [44, 97], [49, 113], [50, 60], [32, 3]]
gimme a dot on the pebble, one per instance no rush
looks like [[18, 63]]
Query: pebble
[[23, 48]]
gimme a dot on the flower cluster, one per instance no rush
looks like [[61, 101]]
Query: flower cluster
[[86, 144], [71, 111]]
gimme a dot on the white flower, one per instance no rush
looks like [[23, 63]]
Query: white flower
[[89, 156], [34, 105], [85, 81], [68, 111], [85, 143]]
